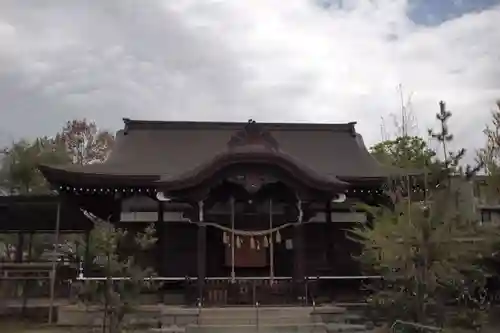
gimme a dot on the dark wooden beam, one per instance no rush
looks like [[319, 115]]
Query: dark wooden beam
[[298, 267], [19, 247], [87, 264], [201, 253], [161, 256], [330, 229], [160, 229]]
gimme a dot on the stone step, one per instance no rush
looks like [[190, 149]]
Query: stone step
[[253, 320], [271, 311], [284, 328], [232, 316], [252, 316], [311, 328], [349, 318], [347, 328], [169, 329], [78, 315]]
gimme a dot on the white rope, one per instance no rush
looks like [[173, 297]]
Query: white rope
[[245, 232], [299, 208], [92, 217], [238, 232]]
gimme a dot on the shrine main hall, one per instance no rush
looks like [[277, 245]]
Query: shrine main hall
[[243, 212]]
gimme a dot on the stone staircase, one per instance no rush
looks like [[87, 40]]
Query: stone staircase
[[255, 316], [161, 318], [253, 319], [270, 320]]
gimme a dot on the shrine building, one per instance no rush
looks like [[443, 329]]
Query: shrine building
[[243, 212]]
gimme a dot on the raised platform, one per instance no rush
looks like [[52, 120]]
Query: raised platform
[[161, 318]]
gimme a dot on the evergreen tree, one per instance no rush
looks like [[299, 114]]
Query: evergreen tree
[[19, 172], [117, 298], [428, 252], [450, 159], [408, 152]]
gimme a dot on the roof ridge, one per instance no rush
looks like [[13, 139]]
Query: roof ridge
[[132, 124]]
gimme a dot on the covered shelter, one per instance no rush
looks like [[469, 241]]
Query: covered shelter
[[26, 219]]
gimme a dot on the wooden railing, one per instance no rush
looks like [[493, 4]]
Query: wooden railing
[[263, 290], [221, 291], [21, 282], [39, 273], [252, 291]]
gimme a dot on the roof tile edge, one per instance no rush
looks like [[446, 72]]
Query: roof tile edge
[[162, 125]]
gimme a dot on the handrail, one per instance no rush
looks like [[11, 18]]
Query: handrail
[[223, 278], [200, 306], [306, 291], [415, 325], [257, 315]]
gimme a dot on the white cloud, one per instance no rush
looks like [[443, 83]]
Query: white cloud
[[271, 60]]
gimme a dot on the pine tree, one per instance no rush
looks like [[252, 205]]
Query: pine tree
[[428, 252], [451, 159], [117, 298]]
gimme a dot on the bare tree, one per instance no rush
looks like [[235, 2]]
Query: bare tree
[[490, 156], [85, 143]]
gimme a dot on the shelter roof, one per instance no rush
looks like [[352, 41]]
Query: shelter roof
[[30, 213]]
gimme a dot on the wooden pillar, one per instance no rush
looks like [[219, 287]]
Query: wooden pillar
[[298, 272], [298, 246], [233, 241], [271, 242], [329, 241], [53, 273], [160, 229], [27, 283], [201, 252], [19, 247], [160, 255], [30, 246], [86, 256]]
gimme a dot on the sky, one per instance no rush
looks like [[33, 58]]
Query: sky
[[269, 60]]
